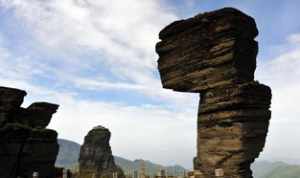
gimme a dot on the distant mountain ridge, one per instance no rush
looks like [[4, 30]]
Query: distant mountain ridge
[[151, 168], [69, 153], [266, 169]]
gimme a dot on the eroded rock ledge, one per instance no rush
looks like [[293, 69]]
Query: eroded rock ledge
[[214, 54], [26, 145]]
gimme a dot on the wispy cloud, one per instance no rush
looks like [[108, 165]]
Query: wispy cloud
[[121, 39], [146, 131], [282, 74], [124, 34]]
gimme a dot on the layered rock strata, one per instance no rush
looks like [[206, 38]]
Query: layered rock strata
[[96, 159], [214, 54], [26, 146]]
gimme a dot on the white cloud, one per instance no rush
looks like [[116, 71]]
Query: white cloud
[[155, 91], [150, 132], [147, 132], [123, 32], [283, 75], [295, 38], [8, 68]]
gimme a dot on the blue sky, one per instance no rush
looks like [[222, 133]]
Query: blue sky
[[97, 60]]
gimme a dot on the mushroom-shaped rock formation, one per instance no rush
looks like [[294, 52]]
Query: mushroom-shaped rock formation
[[26, 146], [214, 54], [96, 159]]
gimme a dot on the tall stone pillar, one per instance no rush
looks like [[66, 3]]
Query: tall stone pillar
[[214, 54]]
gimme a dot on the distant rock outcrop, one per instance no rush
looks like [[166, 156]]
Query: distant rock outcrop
[[214, 54], [96, 159], [26, 145]]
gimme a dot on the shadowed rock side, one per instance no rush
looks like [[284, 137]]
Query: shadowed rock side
[[96, 159], [214, 54], [26, 145]]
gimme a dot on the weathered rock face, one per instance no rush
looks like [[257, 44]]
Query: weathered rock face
[[25, 145], [96, 159], [10, 102], [214, 54]]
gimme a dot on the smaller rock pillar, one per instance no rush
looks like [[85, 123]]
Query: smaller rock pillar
[[96, 159]]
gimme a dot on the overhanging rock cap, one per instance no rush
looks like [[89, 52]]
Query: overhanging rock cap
[[238, 22], [207, 51], [11, 98], [44, 107]]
